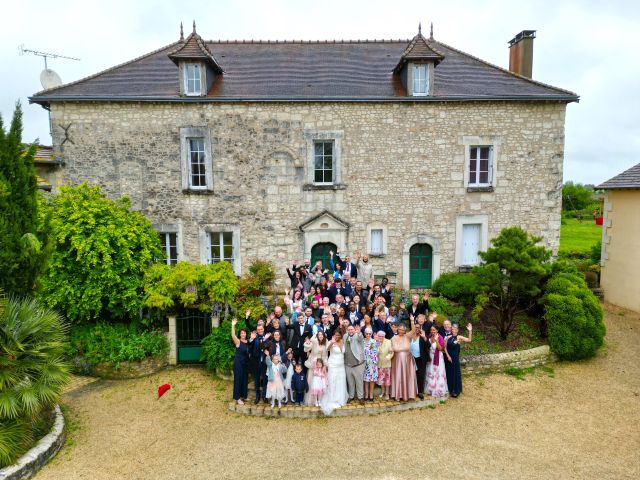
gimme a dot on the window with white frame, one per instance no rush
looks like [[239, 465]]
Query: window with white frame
[[480, 165], [169, 241], [323, 161], [222, 248], [197, 163], [192, 79], [376, 241], [420, 79]]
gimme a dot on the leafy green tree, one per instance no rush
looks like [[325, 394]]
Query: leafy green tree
[[32, 371], [101, 252], [511, 276], [576, 196], [22, 230]]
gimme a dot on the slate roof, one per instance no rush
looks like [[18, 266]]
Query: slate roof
[[627, 179], [418, 49], [359, 70]]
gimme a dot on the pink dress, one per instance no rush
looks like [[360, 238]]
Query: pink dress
[[436, 373], [404, 383], [319, 382]]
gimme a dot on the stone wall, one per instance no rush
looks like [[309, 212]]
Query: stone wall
[[497, 362], [402, 165]]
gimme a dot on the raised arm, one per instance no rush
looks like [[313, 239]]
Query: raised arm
[[247, 321], [235, 339]]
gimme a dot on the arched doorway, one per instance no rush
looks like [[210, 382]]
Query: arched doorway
[[320, 251], [420, 266]]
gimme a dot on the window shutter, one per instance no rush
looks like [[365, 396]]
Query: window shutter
[[376, 241], [470, 244]]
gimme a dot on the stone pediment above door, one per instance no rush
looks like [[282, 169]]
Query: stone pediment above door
[[324, 227], [325, 220]]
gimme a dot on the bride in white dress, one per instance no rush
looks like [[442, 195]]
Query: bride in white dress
[[336, 395]]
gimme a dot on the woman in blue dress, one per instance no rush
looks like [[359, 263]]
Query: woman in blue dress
[[452, 356], [240, 364]]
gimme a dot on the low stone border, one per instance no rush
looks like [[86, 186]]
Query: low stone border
[[497, 362], [32, 461], [146, 367], [352, 409]]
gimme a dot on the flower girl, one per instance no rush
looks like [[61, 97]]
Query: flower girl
[[319, 384]]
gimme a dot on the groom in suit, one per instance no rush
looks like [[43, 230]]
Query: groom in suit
[[300, 330], [354, 362]]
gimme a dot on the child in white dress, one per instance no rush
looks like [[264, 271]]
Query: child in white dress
[[275, 383], [319, 383]]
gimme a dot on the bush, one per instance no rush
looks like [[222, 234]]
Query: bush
[[101, 249], [32, 372], [258, 280], [443, 307], [595, 252], [460, 287], [218, 350], [573, 314], [117, 343]]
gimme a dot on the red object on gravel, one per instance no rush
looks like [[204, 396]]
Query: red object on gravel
[[162, 389]]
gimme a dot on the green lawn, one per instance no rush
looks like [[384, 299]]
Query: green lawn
[[579, 235]]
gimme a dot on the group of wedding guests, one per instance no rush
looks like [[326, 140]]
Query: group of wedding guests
[[338, 344]]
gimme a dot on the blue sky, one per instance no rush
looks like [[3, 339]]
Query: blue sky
[[589, 47]]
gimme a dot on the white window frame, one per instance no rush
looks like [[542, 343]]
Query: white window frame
[[417, 80], [495, 143], [195, 79], [314, 136], [477, 150], [483, 221], [186, 135], [176, 228], [370, 228], [205, 243], [323, 157]]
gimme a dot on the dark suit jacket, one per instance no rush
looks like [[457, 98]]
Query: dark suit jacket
[[297, 339], [354, 269], [421, 309]]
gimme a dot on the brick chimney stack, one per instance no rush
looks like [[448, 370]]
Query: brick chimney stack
[[521, 53]]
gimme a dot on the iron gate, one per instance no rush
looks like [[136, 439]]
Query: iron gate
[[192, 327]]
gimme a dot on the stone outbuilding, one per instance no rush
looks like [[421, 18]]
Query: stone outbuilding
[[410, 151], [620, 260]]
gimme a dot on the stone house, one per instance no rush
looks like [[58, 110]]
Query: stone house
[[410, 151], [620, 258]]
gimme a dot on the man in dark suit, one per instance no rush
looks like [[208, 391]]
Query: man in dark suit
[[338, 288], [257, 362], [299, 331], [416, 308], [421, 362], [353, 314], [349, 268]]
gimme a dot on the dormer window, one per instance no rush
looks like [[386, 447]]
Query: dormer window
[[192, 79], [420, 79]]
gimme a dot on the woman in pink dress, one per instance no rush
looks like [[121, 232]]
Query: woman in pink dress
[[404, 384], [436, 373]]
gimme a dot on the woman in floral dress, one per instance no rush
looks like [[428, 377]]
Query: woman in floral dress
[[436, 373], [370, 363]]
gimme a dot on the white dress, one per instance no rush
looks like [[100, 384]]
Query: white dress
[[336, 395]]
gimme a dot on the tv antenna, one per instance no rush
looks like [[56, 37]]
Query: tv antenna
[[48, 78]]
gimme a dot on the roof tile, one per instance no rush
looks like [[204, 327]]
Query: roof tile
[[627, 179]]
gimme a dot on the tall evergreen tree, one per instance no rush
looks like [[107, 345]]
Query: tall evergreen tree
[[21, 236]]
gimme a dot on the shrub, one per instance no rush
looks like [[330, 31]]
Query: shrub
[[259, 279], [32, 372], [595, 252], [101, 250], [444, 307], [460, 287], [218, 350], [573, 314], [117, 343]]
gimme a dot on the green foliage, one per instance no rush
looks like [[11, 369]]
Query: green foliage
[[259, 280], [32, 371], [23, 229], [101, 251], [595, 251], [577, 237], [117, 343], [444, 307], [573, 314], [460, 287], [185, 285], [576, 196], [512, 275], [218, 350]]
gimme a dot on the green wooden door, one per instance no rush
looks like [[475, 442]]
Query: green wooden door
[[320, 251], [420, 267], [192, 327]]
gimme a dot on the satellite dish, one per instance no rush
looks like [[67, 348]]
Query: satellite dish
[[50, 79]]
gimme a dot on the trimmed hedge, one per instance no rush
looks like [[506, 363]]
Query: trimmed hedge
[[460, 287], [573, 314]]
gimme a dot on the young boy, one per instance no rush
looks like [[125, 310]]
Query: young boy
[[299, 385]]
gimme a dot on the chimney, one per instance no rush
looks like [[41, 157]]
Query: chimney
[[521, 53]]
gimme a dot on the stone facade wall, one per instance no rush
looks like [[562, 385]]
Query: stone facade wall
[[402, 165], [497, 362]]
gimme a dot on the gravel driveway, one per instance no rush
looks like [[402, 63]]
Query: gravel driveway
[[581, 421]]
